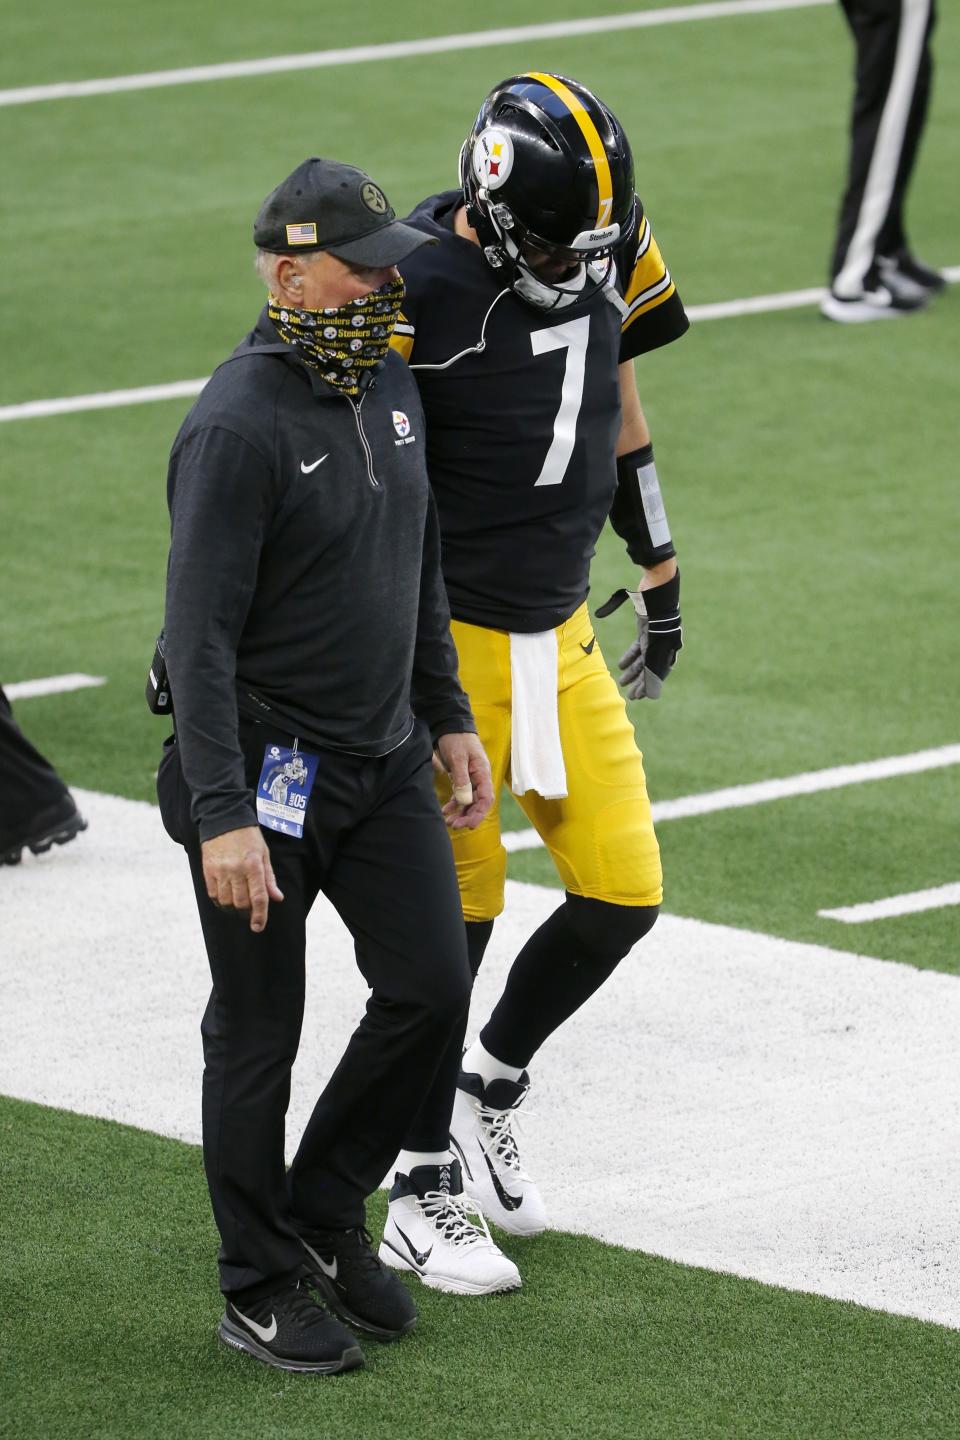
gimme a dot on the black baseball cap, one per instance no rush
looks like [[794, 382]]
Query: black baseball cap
[[324, 205]]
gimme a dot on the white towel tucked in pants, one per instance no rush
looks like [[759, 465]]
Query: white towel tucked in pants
[[536, 760]]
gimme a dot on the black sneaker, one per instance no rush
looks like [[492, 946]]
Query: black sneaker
[[54, 826], [355, 1283], [908, 269], [291, 1331]]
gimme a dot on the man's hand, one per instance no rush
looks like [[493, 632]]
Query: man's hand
[[651, 657], [465, 761], [239, 875]]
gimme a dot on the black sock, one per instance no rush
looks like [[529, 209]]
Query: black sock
[[560, 967]]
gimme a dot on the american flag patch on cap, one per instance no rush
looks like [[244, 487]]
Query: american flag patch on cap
[[302, 234]]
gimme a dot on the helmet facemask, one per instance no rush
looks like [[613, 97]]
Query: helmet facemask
[[579, 281]]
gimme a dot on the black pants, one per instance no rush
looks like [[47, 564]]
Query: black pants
[[29, 785], [375, 844], [892, 89]]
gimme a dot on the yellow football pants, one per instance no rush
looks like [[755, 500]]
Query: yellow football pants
[[601, 834]]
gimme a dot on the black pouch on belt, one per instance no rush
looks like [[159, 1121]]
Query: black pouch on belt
[[159, 699]]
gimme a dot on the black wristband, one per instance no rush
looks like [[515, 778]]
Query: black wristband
[[637, 513], [662, 602]]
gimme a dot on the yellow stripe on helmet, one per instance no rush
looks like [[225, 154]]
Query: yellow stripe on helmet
[[595, 145]]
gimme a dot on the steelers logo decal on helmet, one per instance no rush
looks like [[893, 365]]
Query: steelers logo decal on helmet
[[373, 197], [493, 157]]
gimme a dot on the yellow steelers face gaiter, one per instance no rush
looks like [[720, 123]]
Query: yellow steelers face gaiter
[[344, 342]]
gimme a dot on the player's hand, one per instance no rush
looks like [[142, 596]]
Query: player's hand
[[238, 874], [465, 761], [651, 657]]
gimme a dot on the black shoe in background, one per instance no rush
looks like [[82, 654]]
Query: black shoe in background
[[908, 270], [290, 1330], [343, 1268], [53, 826]]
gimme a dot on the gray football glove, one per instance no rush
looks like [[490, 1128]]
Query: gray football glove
[[651, 657]]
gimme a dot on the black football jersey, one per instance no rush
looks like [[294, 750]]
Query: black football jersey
[[523, 413]]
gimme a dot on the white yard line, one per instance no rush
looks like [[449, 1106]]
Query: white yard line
[[808, 782], [186, 389], [909, 904], [102, 400], [400, 50], [51, 685], [757, 304]]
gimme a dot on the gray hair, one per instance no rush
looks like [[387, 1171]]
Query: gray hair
[[265, 262]]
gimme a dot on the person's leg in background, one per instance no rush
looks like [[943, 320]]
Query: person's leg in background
[[893, 247], [889, 105], [37, 810]]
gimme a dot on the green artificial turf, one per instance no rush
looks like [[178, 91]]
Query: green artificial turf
[[810, 476], [110, 1307], [155, 190], [115, 37]]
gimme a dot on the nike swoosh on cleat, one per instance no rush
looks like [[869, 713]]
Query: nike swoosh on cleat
[[508, 1201], [418, 1255], [588, 648], [309, 469], [265, 1332]]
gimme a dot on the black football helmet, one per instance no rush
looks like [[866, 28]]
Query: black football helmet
[[547, 178]]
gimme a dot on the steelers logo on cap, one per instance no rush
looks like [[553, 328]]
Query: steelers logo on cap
[[492, 157], [373, 197]]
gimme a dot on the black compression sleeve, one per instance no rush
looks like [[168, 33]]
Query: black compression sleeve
[[637, 513]]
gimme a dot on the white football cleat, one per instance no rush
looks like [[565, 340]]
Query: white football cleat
[[430, 1231], [482, 1135]]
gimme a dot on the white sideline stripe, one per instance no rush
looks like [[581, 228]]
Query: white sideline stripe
[[399, 50], [808, 782], [186, 389], [910, 904], [52, 685], [760, 1106], [102, 400], [756, 304]]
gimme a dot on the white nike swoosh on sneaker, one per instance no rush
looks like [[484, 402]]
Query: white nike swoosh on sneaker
[[329, 1268], [309, 469], [265, 1332]]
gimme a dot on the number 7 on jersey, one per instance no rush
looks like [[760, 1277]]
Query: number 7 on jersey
[[572, 336]]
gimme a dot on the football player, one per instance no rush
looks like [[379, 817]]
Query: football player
[[521, 326]]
